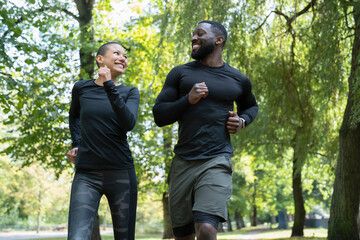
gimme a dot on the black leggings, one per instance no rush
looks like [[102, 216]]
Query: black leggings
[[119, 187]]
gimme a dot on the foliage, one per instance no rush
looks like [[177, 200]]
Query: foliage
[[32, 191], [298, 77], [35, 76]]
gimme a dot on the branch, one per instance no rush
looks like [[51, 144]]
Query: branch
[[290, 20], [320, 154], [311, 4], [346, 37], [347, 3], [70, 14], [262, 24], [282, 14], [346, 19], [16, 23], [40, 10]]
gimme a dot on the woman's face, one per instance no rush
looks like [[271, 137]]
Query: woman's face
[[115, 59]]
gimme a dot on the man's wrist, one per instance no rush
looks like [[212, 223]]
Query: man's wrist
[[243, 122]]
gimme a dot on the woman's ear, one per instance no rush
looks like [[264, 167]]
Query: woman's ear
[[100, 60]]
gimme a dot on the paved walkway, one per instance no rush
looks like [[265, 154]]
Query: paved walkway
[[34, 235]]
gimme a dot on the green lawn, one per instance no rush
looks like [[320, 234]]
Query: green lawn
[[274, 234]]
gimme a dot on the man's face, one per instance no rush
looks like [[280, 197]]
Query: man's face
[[115, 58], [203, 41]]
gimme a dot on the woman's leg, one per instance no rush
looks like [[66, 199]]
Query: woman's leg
[[84, 204], [121, 192]]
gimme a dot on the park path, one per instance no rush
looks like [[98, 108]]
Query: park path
[[33, 235], [253, 234], [250, 235]]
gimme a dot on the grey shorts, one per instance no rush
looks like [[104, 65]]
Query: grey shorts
[[199, 185]]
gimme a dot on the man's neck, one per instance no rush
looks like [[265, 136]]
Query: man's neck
[[213, 60]]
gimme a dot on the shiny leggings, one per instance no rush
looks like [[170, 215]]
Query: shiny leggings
[[120, 189]]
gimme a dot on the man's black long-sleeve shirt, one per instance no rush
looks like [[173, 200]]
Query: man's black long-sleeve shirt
[[202, 126], [99, 119]]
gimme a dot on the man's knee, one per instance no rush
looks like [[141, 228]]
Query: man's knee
[[186, 232], [205, 231]]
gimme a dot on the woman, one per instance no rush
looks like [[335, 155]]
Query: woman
[[102, 111]]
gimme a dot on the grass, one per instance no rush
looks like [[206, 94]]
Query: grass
[[264, 234]]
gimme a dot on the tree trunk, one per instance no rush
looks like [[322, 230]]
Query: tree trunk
[[254, 209], [237, 219], [358, 223], [345, 202], [166, 214], [299, 221], [38, 223], [104, 227], [272, 221], [254, 216], [38, 215], [87, 58], [221, 227], [229, 226], [96, 229], [242, 223]]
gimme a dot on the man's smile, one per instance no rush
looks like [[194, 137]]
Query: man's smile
[[195, 46]]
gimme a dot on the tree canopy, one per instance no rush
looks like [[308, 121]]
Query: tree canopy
[[296, 54]]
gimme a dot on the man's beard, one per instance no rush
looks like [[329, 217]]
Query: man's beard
[[203, 51]]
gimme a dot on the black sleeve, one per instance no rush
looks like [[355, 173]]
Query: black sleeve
[[74, 117], [125, 111], [169, 105], [247, 107]]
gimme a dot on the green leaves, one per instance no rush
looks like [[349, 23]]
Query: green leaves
[[17, 31], [34, 95], [29, 61], [298, 83]]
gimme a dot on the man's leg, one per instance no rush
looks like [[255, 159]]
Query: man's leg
[[212, 191], [186, 232], [206, 225], [205, 231], [181, 181], [84, 203]]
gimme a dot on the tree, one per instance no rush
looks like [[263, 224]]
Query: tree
[[345, 201], [294, 88], [290, 51]]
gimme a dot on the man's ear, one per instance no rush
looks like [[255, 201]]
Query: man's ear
[[219, 40], [100, 60]]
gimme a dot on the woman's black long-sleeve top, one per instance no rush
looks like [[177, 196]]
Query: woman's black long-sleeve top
[[99, 118]]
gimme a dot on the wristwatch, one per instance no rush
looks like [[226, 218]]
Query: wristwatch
[[243, 126]]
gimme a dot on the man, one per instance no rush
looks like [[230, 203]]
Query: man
[[200, 96]]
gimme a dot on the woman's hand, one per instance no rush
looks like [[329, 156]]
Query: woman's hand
[[71, 155]]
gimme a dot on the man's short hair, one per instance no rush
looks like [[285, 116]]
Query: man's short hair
[[218, 27], [103, 48]]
